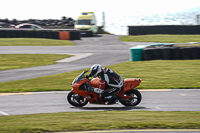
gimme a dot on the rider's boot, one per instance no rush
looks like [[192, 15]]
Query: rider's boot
[[112, 100], [106, 99]]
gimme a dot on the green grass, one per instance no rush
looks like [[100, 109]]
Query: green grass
[[161, 38], [188, 45], [157, 74], [34, 42], [74, 121], [16, 61]]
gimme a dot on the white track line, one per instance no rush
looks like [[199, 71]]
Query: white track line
[[75, 57], [3, 113]]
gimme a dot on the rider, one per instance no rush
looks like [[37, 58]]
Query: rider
[[110, 82]]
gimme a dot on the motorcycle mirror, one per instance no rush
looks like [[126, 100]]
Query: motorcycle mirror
[[86, 71]]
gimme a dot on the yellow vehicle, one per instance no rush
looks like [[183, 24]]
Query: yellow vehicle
[[87, 23]]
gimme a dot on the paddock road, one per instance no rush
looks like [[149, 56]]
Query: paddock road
[[51, 102]]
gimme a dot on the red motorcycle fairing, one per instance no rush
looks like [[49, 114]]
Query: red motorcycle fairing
[[90, 96], [129, 84]]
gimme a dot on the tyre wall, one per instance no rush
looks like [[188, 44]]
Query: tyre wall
[[164, 29], [171, 53], [48, 34]]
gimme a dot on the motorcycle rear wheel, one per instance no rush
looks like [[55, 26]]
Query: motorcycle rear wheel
[[135, 100], [76, 100]]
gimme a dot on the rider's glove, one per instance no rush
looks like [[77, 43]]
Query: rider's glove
[[87, 76]]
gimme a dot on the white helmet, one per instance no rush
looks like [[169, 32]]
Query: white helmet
[[95, 70]]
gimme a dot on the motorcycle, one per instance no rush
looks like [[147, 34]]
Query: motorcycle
[[85, 90]]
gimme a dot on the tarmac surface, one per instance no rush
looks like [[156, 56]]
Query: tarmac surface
[[55, 101]]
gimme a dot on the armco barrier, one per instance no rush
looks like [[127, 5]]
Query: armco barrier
[[49, 34], [164, 29]]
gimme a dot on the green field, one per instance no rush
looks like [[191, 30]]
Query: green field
[[157, 74], [161, 38], [99, 120], [16, 61], [34, 42]]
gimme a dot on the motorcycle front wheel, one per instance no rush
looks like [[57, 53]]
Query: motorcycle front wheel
[[76, 100], [135, 99]]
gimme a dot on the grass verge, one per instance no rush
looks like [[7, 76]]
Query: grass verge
[[157, 74], [73, 121], [161, 38], [16, 61], [34, 42]]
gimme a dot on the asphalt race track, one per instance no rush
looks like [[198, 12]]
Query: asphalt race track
[[103, 49], [51, 102]]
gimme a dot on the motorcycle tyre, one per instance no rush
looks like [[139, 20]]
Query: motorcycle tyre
[[135, 92], [73, 103]]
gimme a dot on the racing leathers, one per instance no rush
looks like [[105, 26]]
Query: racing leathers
[[110, 83]]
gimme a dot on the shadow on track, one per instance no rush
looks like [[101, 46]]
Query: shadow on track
[[109, 108]]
